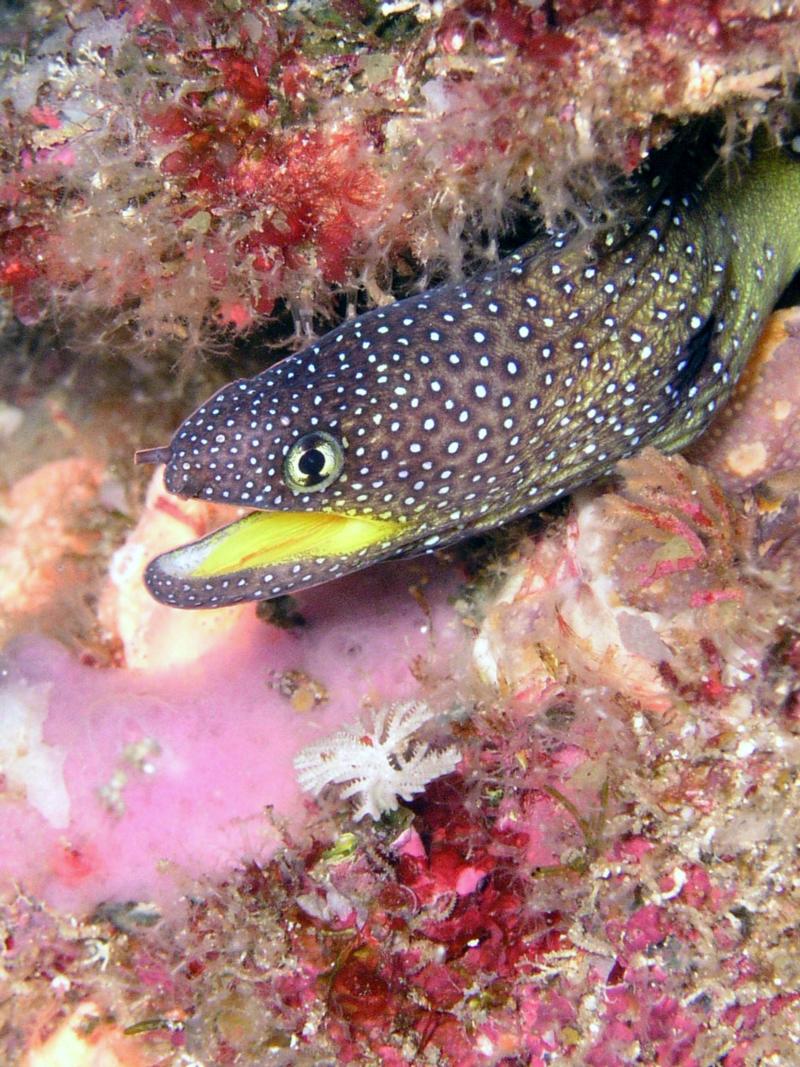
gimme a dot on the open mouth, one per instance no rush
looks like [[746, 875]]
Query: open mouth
[[268, 553], [268, 539]]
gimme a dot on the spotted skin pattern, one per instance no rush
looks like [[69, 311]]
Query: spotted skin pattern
[[475, 403]]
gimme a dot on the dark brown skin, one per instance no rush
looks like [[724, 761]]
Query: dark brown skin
[[455, 411]]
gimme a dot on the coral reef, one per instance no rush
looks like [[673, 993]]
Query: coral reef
[[178, 166], [604, 878], [581, 774]]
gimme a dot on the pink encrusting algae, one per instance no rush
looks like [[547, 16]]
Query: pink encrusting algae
[[755, 436], [554, 778]]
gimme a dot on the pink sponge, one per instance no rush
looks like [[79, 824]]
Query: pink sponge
[[149, 778]]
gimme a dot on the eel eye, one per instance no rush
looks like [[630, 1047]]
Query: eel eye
[[313, 462]]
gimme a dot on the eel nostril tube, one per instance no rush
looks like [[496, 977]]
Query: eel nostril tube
[[152, 455]]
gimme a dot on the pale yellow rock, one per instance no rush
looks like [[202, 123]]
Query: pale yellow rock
[[154, 636], [746, 459], [84, 1040]]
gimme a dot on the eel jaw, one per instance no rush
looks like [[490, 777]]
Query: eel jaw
[[269, 553]]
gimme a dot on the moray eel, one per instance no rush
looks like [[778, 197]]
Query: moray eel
[[445, 414]]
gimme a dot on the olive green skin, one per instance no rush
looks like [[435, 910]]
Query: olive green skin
[[467, 406]]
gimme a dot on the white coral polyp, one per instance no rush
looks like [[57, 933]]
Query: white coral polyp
[[381, 765]]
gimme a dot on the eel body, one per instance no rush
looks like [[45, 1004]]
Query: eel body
[[446, 414]]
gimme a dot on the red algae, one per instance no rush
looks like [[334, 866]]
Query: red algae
[[604, 879], [190, 165]]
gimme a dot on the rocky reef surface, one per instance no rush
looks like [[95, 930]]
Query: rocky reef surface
[[552, 788]]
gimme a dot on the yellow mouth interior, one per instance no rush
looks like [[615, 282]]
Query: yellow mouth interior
[[266, 539]]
